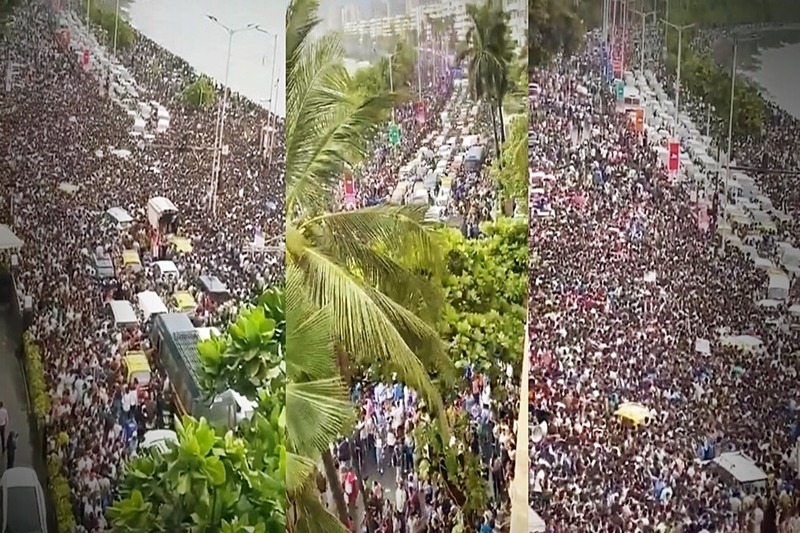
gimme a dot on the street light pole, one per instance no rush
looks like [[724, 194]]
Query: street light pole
[[272, 118], [116, 27], [216, 165], [680, 59], [644, 29], [736, 42]]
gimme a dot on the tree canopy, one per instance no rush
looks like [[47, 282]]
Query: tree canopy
[[489, 52], [200, 94], [105, 17], [554, 27], [485, 295], [392, 72], [510, 171]]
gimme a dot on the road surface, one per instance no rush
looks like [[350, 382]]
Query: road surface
[[13, 395]]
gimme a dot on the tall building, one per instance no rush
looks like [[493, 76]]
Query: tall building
[[350, 14], [422, 12]]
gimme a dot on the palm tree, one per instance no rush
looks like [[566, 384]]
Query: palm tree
[[368, 270], [489, 52]]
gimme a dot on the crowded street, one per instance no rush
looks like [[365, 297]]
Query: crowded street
[[663, 339], [441, 161], [107, 177]]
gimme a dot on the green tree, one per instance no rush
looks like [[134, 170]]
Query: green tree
[[200, 94], [454, 468], [320, 408], [510, 171], [554, 27], [382, 311], [207, 482], [489, 52], [485, 294], [105, 18]]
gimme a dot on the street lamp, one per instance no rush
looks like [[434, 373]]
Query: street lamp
[[116, 27], [272, 118], [644, 24], [736, 41], [680, 52], [216, 166]]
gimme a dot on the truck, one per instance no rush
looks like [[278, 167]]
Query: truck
[[176, 338]]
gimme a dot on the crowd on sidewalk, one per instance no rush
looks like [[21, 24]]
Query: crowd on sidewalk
[[68, 156], [624, 283]]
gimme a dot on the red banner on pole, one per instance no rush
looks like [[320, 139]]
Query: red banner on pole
[[349, 190], [419, 112], [674, 156], [639, 120], [85, 57]]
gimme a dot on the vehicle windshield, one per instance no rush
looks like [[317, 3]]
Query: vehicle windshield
[[23, 511]]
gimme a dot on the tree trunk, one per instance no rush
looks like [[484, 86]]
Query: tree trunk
[[494, 130], [335, 486]]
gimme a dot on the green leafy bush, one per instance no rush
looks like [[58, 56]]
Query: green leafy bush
[[200, 94], [62, 495], [37, 384]]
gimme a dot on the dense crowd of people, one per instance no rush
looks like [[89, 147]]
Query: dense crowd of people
[[384, 452], [625, 283], [68, 157]]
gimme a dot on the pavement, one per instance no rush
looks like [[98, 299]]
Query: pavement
[[14, 396]]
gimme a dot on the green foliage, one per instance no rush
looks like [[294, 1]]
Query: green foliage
[[62, 494], [206, 482], [393, 72], [34, 373], [510, 171], [702, 76], [489, 53], [250, 355], [213, 481], [734, 12], [200, 94], [554, 27], [459, 472], [105, 18], [485, 291]]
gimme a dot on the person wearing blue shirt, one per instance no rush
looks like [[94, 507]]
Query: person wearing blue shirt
[[398, 391]]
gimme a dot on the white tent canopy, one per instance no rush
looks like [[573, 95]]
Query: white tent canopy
[[741, 467], [9, 241]]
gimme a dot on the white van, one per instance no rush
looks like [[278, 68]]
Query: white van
[[23, 502]]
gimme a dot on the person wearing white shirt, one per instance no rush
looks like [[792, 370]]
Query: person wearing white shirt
[[400, 498]]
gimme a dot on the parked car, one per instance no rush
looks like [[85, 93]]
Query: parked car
[[23, 502]]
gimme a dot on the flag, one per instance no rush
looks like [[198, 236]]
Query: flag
[[674, 156], [419, 112]]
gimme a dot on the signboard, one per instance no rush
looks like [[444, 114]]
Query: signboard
[[394, 134], [639, 120], [419, 112], [619, 90], [674, 156], [617, 65]]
